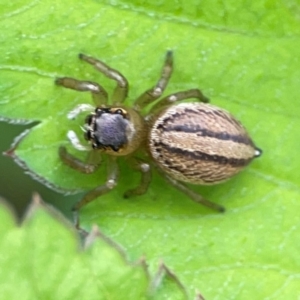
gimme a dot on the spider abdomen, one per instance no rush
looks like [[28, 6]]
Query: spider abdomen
[[200, 143]]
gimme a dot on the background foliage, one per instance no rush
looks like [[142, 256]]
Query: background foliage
[[244, 57]]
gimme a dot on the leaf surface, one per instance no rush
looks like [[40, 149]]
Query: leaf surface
[[244, 57]]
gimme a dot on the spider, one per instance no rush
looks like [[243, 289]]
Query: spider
[[194, 142]]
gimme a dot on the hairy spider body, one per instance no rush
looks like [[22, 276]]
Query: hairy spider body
[[194, 142]]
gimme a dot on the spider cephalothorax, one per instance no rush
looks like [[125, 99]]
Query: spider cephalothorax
[[108, 128]]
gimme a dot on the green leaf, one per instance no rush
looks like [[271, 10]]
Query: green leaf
[[244, 57], [42, 259]]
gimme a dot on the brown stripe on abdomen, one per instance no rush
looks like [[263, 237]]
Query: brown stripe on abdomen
[[198, 155], [197, 167], [210, 122], [204, 132]]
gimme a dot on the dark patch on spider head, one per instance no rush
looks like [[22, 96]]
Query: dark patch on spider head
[[107, 129]]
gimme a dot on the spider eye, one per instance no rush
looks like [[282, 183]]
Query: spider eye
[[118, 111]]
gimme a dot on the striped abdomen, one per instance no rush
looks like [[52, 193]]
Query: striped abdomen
[[200, 143]]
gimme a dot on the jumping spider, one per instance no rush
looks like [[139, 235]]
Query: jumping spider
[[187, 142]]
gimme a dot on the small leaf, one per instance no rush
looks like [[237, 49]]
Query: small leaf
[[44, 260]]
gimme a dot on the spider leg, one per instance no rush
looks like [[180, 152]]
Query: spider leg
[[111, 182], [179, 96], [99, 94], [146, 177], [192, 195], [76, 163], [79, 109], [121, 90], [154, 93]]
